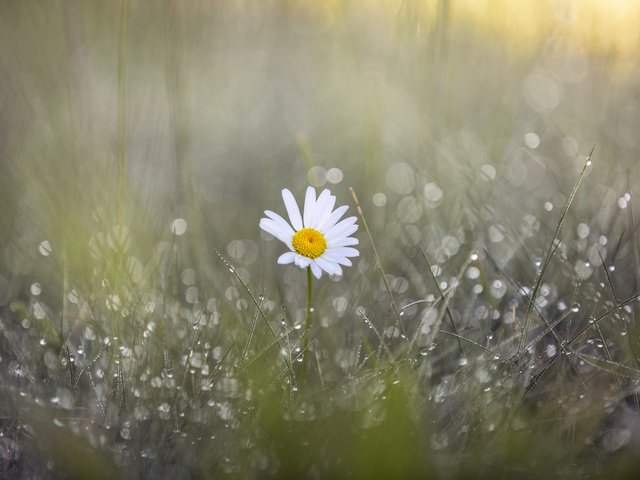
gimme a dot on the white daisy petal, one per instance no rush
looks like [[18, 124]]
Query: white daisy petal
[[272, 227], [344, 234], [338, 259], [324, 205], [316, 270], [339, 229], [342, 242], [324, 265], [309, 206], [344, 252], [281, 222], [303, 262], [285, 258], [292, 209], [346, 221], [330, 267], [333, 218]]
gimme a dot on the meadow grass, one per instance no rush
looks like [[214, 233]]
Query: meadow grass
[[487, 329]]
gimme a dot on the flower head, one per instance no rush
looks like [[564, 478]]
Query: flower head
[[317, 238]]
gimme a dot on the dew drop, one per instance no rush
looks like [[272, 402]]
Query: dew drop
[[317, 176], [72, 296], [335, 175], [472, 273], [532, 140], [550, 350], [125, 431], [583, 230], [44, 248], [179, 226], [379, 199], [498, 289], [488, 172]]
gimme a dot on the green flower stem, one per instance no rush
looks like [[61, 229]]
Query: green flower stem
[[307, 328]]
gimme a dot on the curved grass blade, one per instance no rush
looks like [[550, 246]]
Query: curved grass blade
[[551, 251], [387, 287], [255, 302]]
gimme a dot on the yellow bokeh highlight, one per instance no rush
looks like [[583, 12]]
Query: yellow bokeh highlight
[[600, 27]]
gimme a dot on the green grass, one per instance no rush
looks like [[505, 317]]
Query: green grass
[[487, 330]]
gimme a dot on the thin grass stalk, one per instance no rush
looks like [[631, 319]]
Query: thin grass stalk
[[387, 287], [307, 327], [550, 252]]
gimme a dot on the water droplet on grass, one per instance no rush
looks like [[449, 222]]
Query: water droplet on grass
[[583, 230], [550, 350], [498, 288], [432, 194], [44, 248], [125, 431], [488, 172], [35, 289], [72, 296], [472, 273], [379, 199], [335, 175], [179, 226], [317, 176]]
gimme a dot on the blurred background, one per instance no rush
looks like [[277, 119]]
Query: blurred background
[[138, 113], [139, 138]]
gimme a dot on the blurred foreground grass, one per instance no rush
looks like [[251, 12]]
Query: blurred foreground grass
[[140, 143]]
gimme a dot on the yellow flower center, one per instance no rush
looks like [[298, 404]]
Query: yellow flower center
[[309, 242]]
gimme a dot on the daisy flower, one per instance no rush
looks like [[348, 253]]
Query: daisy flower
[[318, 238]]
